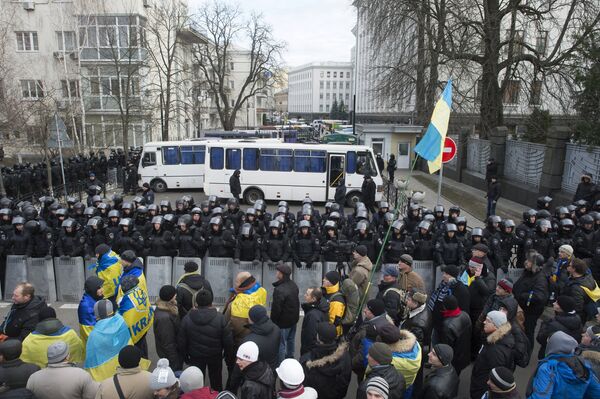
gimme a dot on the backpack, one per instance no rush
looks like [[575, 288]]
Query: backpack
[[191, 290], [351, 295]]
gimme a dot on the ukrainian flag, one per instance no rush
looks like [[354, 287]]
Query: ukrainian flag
[[431, 145], [85, 314], [35, 346], [106, 340], [109, 269], [137, 272], [136, 309]]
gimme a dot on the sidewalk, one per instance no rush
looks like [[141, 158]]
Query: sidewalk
[[471, 201]]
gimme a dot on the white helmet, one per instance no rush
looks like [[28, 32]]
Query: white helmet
[[290, 372]]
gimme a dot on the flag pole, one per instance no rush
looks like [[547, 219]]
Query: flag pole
[[440, 177]]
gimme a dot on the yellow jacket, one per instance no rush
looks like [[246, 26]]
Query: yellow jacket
[[236, 311], [337, 306]]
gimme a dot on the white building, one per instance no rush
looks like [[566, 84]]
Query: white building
[[314, 87]]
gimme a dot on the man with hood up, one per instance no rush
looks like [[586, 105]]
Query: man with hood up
[[93, 292], [586, 189]]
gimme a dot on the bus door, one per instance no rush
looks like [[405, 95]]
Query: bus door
[[335, 173]]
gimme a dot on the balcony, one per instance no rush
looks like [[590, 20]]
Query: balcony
[[107, 55]]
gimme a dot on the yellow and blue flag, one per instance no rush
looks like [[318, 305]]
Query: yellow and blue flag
[[86, 316], [35, 346], [431, 146], [137, 270], [136, 309], [109, 269]]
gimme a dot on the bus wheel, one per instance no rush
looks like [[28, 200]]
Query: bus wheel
[[159, 186], [252, 195], [352, 199]]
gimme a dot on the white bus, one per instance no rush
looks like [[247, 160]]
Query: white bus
[[176, 164], [289, 171]]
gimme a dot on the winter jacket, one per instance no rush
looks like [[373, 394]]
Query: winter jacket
[[238, 306], [359, 347], [259, 381], [327, 370], [285, 309], [221, 244], [75, 383], [275, 249], [204, 333], [160, 243], [392, 298], [22, 318], [337, 306], [166, 328], [568, 323], [409, 280], [200, 393], [456, 332], [497, 350], [360, 273], [190, 243], [305, 248], [563, 376], [47, 332], [406, 356], [574, 289], [314, 313], [585, 191], [235, 186], [195, 282], [395, 380], [419, 323], [134, 383], [266, 335], [15, 373], [18, 393], [494, 191], [531, 292], [70, 244], [441, 383]]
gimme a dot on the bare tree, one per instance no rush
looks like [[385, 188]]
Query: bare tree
[[226, 25]]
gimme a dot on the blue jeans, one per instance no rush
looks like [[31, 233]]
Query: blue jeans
[[491, 207], [286, 343]]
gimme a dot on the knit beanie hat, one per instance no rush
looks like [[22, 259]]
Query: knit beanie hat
[[407, 259], [506, 285], [450, 302], [567, 249], [477, 264], [190, 267], [204, 298], [566, 303], [167, 292], [191, 379], [333, 277], [361, 250], [381, 353], [283, 268], [162, 376], [128, 256], [444, 352], [248, 351], [129, 357], [258, 313], [498, 318], [326, 332], [389, 333], [47, 313], [103, 309], [378, 385], [92, 284], [502, 378], [57, 352], [11, 349], [481, 247], [376, 306], [128, 282], [390, 270], [102, 249], [225, 395]]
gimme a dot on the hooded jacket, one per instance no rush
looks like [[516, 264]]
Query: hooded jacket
[[15, 373], [419, 323], [359, 273], [327, 370], [337, 306], [406, 356], [265, 334], [314, 313], [47, 332], [196, 282], [85, 311], [531, 292], [497, 350], [166, 327], [259, 381], [522, 349], [574, 289]]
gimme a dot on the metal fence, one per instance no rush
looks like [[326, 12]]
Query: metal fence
[[579, 159], [478, 153], [524, 162]]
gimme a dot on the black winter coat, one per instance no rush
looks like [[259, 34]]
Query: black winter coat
[[196, 282], [478, 295], [190, 243], [17, 243], [497, 351], [275, 249], [391, 299], [70, 244], [19, 393], [389, 373], [441, 383], [221, 245], [420, 325], [259, 381], [574, 290], [314, 313], [328, 370], [537, 285], [305, 248], [166, 328], [285, 310], [266, 336], [204, 334], [22, 318], [15, 373], [456, 332], [235, 187], [247, 249], [160, 243], [567, 323]]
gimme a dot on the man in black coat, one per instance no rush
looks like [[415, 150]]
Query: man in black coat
[[204, 339], [14, 373], [316, 310], [456, 333], [24, 313], [369, 189], [491, 169], [265, 334], [235, 187], [188, 285], [285, 310], [380, 363], [166, 327], [586, 190], [419, 320], [493, 195], [258, 377], [442, 382], [565, 319]]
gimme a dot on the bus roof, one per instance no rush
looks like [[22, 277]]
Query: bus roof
[[293, 146], [202, 141]]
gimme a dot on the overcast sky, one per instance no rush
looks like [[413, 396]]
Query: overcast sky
[[314, 30]]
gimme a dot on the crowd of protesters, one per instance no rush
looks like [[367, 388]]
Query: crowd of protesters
[[498, 284]]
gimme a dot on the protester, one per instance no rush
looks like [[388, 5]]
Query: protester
[[22, 317], [137, 311], [61, 379], [291, 375], [442, 382], [166, 326], [93, 292], [456, 333], [265, 334], [108, 268], [380, 365], [192, 385], [14, 372], [131, 379], [316, 310], [337, 301], [246, 293], [501, 385], [565, 319], [259, 382], [418, 321], [377, 388], [163, 381], [188, 285], [360, 268], [285, 310]]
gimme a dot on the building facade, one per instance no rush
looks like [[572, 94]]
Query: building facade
[[314, 88]]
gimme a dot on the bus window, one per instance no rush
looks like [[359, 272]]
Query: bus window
[[193, 154], [149, 159], [365, 165], [170, 155], [309, 161], [336, 170], [216, 158], [233, 159], [351, 162], [251, 158], [276, 160]]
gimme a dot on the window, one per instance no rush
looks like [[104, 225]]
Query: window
[[328, 85], [276, 160], [216, 158], [233, 103], [365, 164], [535, 97], [327, 96], [65, 40], [193, 154], [347, 97], [511, 93], [170, 155], [70, 88], [95, 86], [32, 88], [541, 42], [250, 159], [320, 96], [309, 161], [334, 85], [322, 73], [233, 159], [335, 96], [351, 162], [321, 108], [231, 66], [149, 159], [231, 84], [334, 74], [327, 106], [321, 85], [347, 75], [347, 85], [328, 74], [27, 41]]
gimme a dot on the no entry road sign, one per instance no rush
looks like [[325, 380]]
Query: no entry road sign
[[449, 151]]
